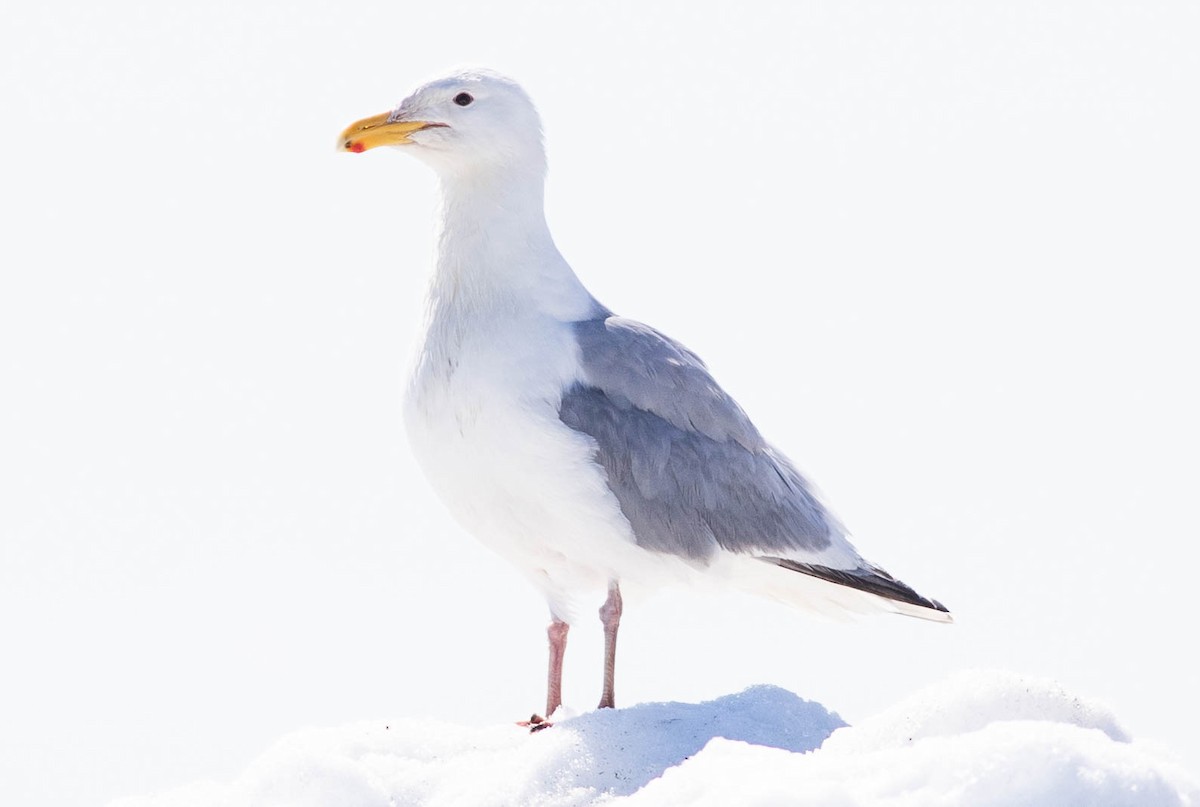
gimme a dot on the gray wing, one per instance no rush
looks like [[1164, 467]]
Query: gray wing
[[688, 467]]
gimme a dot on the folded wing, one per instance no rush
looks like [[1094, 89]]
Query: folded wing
[[692, 473]]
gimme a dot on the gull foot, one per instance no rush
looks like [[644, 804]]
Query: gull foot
[[535, 723]]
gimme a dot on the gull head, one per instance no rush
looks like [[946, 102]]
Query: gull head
[[468, 122]]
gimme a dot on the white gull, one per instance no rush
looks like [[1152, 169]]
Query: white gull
[[586, 448]]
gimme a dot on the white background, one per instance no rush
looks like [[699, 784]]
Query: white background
[[943, 253]]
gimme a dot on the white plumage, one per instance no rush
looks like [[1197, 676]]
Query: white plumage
[[586, 449]]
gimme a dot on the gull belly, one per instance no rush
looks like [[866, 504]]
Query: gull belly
[[482, 417]]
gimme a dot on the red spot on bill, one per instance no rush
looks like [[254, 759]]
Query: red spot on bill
[[356, 146]]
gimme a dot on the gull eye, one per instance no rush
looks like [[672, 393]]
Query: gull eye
[[463, 98]]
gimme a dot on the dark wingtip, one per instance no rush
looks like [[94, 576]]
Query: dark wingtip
[[872, 580]]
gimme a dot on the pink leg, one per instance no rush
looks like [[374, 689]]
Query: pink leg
[[557, 633], [610, 615]]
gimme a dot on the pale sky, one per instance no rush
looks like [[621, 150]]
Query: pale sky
[[943, 254]]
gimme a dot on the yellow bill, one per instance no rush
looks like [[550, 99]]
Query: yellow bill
[[380, 130]]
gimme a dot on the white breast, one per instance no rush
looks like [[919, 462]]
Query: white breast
[[482, 417]]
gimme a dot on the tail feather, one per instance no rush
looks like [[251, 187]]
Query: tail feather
[[873, 580]]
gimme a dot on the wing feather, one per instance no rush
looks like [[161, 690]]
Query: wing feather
[[691, 472]]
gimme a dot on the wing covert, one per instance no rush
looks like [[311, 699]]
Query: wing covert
[[691, 472]]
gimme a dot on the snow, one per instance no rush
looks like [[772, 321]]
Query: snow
[[979, 738]]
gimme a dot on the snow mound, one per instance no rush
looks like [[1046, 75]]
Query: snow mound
[[983, 739], [968, 702], [979, 738]]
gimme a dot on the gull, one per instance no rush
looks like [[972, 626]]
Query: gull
[[587, 448]]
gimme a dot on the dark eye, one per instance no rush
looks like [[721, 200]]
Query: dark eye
[[463, 98]]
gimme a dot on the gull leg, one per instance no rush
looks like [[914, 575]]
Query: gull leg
[[557, 634], [610, 615]]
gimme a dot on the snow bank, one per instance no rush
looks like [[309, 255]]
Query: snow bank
[[979, 739]]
